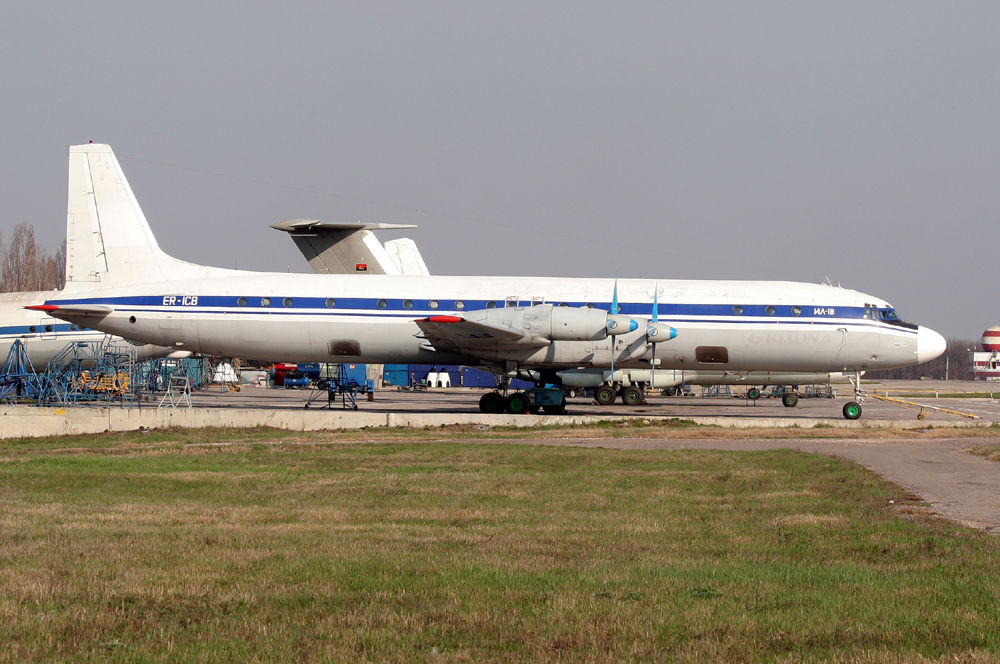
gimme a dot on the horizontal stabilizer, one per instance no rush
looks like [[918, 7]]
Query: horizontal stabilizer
[[342, 248], [81, 309]]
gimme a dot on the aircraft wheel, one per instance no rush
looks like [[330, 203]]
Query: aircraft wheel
[[604, 395], [632, 396], [790, 399], [852, 410], [491, 402], [753, 394], [517, 403]]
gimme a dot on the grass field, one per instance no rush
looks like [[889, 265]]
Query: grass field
[[145, 548]]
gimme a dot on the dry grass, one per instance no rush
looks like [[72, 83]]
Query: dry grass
[[991, 452], [154, 551]]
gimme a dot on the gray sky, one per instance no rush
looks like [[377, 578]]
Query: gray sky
[[768, 140]]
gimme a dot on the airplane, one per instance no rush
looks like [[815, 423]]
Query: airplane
[[344, 248], [121, 282]]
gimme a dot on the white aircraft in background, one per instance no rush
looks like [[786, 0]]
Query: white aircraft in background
[[333, 248], [120, 281], [348, 248], [43, 336]]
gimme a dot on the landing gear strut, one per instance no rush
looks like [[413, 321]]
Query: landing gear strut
[[852, 409]]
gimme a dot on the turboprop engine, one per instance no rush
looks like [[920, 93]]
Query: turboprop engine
[[545, 321]]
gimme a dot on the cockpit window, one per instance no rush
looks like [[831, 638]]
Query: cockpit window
[[888, 314]]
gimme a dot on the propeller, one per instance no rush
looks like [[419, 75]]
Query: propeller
[[617, 324], [655, 333], [651, 334]]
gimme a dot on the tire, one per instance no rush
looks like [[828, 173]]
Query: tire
[[632, 396], [790, 400], [555, 410], [604, 395], [852, 410], [517, 403], [491, 402], [753, 394]]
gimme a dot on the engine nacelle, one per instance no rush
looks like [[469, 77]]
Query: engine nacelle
[[546, 321], [619, 324], [657, 332]]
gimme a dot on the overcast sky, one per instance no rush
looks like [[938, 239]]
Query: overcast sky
[[855, 141]]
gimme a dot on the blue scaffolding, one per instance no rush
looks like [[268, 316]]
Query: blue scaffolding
[[18, 380]]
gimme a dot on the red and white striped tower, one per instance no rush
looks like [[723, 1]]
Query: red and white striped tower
[[991, 339]]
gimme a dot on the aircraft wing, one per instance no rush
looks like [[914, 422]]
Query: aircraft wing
[[456, 334]]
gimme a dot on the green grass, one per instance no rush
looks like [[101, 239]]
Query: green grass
[[152, 550]]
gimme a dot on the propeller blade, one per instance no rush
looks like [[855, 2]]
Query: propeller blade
[[652, 360]]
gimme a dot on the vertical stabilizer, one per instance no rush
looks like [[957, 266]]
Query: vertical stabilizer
[[108, 241], [405, 254]]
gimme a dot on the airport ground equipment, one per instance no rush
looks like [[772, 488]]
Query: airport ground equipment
[[550, 400], [178, 392], [155, 375], [18, 379], [88, 371], [343, 385], [920, 408]]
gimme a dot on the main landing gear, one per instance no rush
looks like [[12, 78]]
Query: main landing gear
[[789, 395], [631, 395]]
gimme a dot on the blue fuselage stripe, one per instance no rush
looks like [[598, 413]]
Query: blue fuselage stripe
[[405, 308]]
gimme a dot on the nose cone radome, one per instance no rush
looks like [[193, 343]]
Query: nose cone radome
[[930, 344]]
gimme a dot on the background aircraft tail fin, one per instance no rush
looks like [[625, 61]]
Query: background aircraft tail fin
[[108, 241]]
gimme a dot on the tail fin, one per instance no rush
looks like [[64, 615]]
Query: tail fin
[[108, 241]]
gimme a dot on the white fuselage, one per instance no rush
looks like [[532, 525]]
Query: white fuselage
[[721, 325]]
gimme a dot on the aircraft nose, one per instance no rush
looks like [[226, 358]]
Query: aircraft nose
[[930, 344]]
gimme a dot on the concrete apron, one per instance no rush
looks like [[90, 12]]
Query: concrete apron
[[28, 421]]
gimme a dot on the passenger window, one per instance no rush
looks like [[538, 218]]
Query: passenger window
[[287, 302], [769, 310], [265, 301], [330, 303], [382, 304], [241, 302], [796, 311], [407, 304], [737, 309], [491, 305], [433, 304], [459, 304]]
